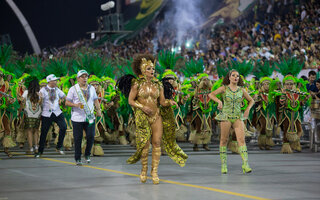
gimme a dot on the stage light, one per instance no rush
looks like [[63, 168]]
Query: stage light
[[107, 6], [188, 44]]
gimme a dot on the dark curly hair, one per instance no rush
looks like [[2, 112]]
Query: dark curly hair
[[33, 90], [226, 80], [137, 62]]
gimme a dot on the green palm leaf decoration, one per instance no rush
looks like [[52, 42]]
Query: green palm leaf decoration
[[168, 59], [193, 67], [123, 69], [222, 69], [263, 69], [5, 54], [244, 68], [92, 63], [58, 67], [289, 66]]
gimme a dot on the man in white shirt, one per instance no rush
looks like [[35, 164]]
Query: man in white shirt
[[82, 98], [51, 112]]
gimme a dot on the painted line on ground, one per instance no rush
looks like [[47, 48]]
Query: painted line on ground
[[162, 180]]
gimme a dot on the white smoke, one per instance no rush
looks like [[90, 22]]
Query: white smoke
[[184, 18]]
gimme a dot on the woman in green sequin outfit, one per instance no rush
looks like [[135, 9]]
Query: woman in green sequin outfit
[[231, 115], [154, 118]]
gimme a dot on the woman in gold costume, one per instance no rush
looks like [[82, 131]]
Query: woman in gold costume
[[153, 116]]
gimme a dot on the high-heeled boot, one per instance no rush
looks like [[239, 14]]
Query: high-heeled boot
[[144, 162], [223, 157], [156, 153], [244, 155]]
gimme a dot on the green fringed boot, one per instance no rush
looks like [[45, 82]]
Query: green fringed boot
[[244, 155], [223, 157]]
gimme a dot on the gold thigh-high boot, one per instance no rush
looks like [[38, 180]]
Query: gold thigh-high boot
[[144, 162], [156, 153]]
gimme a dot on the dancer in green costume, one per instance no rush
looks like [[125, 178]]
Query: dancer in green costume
[[231, 115]]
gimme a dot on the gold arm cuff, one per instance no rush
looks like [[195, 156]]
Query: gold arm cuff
[[167, 102], [138, 105]]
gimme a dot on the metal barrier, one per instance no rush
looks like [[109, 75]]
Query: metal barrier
[[314, 139]]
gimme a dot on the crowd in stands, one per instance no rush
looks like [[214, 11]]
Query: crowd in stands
[[275, 29]]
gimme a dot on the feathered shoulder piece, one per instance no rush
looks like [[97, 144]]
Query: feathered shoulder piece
[[124, 84], [274, 89], [167, 89]]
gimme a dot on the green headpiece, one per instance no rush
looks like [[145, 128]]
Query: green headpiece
[[169, 73], [94, 79], [44, 81], [303, 83], [108, 79], [200, 76], [265, 79], [65, 83], [289, 77], [24, 76]]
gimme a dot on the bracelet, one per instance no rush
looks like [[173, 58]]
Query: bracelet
[[167, 102], [138, 105]]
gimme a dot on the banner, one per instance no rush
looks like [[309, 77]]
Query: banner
[[147, 12]]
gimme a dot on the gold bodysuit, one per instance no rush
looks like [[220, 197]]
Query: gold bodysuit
[[148, 95]]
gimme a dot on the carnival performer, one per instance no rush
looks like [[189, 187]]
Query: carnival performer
[[289, 117], [19, 125], [289, 102], [181, 128], [154, 116], [202, 113], [51, 113], [264, 117], [82, 97], [5, 124], [100, 121], [32, 108], [231, 115]]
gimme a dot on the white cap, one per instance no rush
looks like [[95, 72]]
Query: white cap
[[81, 72], [52, 77]]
